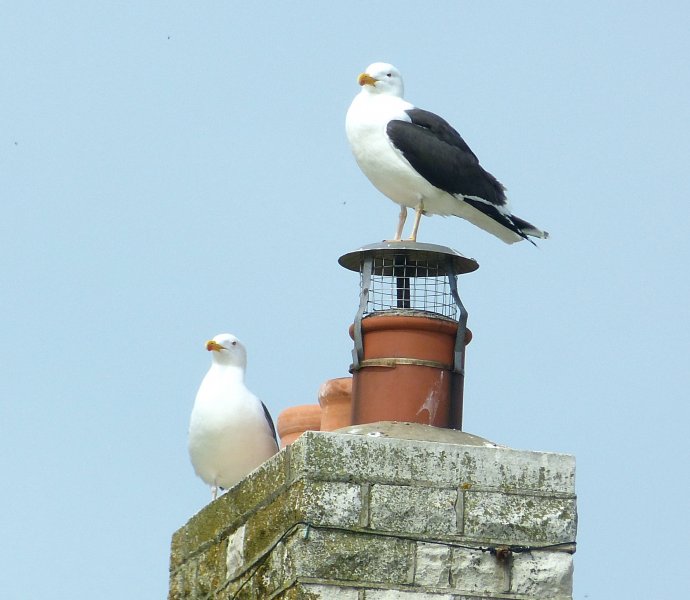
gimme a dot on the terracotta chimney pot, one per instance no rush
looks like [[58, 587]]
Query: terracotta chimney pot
[[295, 420], [335, 398]]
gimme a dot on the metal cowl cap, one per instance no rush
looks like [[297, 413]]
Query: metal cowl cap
[[417, 251]]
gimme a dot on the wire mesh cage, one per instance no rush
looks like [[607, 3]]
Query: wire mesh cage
[[398, 276], [404, 282]]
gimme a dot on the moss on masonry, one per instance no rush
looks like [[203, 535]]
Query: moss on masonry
[[376, 507]]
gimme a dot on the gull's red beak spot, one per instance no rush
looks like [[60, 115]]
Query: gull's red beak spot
[[365, 79]]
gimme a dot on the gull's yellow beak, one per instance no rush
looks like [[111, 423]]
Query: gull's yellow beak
[[213, 345], [366, 79]]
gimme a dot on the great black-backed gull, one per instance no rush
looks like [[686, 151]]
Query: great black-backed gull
[[230, 431], [419, 161]]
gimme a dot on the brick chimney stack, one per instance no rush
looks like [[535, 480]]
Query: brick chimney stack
[[385, 511]]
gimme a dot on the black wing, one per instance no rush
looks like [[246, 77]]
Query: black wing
[[439, 154], [270, 422]]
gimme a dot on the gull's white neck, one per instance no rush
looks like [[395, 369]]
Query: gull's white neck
[[383, 103], [228, 371]]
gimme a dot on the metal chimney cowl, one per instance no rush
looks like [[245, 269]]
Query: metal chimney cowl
[[409, 333]]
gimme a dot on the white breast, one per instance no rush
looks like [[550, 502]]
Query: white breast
[[365, 125], [228, 433]]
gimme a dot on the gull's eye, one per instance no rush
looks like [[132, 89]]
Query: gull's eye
[[234, 343], [389, 74]]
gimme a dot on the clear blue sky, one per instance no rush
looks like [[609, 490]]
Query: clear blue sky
[[172, 170]]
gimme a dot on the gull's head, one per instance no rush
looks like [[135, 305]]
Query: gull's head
[[227, 350], [382, 78]]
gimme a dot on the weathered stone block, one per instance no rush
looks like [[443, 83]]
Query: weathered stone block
[[264, 578], [411, 509], [432, 565], [516, 470], [305, 591], [336, 504], [347, 556], [344, 457], [235, 562], [401, 595], [182, 581], [210, 573], [543, 575], [178, 548], [326, 455], [475, 571], [519, 519], [260, 485], [207, 526], [266, 525], [332, 503]]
